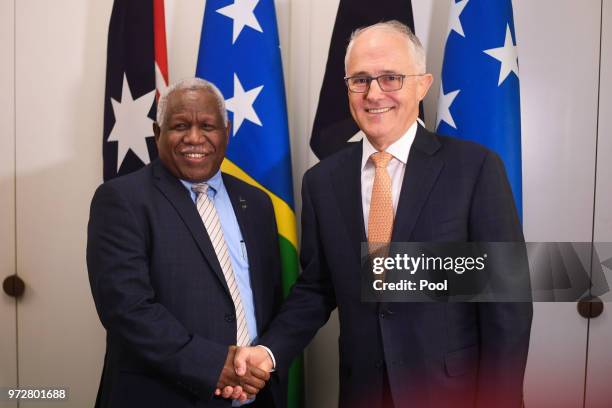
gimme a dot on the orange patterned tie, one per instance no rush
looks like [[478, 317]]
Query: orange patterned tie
[[380, 220]]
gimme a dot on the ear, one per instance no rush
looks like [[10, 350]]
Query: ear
[[424, 83], [228, 129], [156, 131]]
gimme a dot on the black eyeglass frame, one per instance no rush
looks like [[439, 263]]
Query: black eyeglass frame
[[370, 79]]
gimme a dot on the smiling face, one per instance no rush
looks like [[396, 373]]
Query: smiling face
[[192, 141], [385, 116]]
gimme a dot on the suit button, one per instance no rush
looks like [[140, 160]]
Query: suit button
[[230, 318], [379, 364], [383, 315]]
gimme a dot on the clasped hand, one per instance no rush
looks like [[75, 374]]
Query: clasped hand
[[245, 373]]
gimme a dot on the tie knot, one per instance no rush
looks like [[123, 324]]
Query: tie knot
[[381, 159], [199, 188]]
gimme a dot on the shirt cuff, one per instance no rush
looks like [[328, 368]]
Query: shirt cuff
[[238, 403], [271, 356]]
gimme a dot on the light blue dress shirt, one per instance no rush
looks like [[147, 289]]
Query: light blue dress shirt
[[235, 245]]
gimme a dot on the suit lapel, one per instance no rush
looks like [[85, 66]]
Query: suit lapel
[[249, 236], [346, 182], [178, 196], [422, 170]]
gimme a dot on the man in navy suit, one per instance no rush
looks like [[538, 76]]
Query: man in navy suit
[[441, 189], [161, 289]]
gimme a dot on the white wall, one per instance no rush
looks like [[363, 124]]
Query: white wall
[[59, 79], [600, 339], [8, 339], [559, 119]]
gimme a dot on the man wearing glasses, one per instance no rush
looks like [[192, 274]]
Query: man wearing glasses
[[402, 183]]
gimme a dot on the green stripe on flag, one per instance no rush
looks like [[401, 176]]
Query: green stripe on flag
[[290, 266], [295, 388], [289, 262]]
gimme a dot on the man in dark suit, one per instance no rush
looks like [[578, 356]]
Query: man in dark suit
[[183, 262], [402, 183]]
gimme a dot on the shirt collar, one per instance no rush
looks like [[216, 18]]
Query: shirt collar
[[214, 183], [399, 149]]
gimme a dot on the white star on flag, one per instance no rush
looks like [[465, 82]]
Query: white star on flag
[[242, 12], [444, 103], [241, 104], [454, 23], [507, 55], [132, 125]]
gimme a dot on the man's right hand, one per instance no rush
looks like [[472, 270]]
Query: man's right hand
[[243, 386], [252, 356]]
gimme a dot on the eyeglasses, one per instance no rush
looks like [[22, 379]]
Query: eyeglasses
[[386, 82]]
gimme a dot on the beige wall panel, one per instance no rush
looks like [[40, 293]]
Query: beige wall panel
[[599, 369], [183, 28], [558, 114], [8, 339], [61, 57]]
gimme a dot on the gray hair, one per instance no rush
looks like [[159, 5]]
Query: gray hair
[[397, 27], [191, 84]]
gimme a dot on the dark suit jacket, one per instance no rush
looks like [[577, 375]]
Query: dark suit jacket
[[160, 292], [435, 354]]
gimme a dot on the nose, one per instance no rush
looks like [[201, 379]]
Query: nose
[[193, 135], [374, 92]]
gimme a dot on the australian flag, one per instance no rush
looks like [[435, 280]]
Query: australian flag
[[136, 68], [479, 92]]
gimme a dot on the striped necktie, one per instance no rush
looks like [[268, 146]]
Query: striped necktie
[[210, 218]]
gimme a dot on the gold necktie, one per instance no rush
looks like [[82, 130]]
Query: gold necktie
[[380, 220]]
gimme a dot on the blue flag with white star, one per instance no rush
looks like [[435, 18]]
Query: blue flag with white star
[[479, 92], [240, 53]]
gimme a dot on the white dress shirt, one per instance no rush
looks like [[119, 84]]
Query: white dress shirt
[[396, 168]]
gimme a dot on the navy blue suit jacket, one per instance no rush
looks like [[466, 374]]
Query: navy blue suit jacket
[[435, 354], [160, 292]]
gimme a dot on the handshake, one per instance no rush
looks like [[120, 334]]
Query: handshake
[[245, 373]]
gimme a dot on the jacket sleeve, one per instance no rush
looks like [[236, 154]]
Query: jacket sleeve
[[504, 327], [118, 266], [311, 299]]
